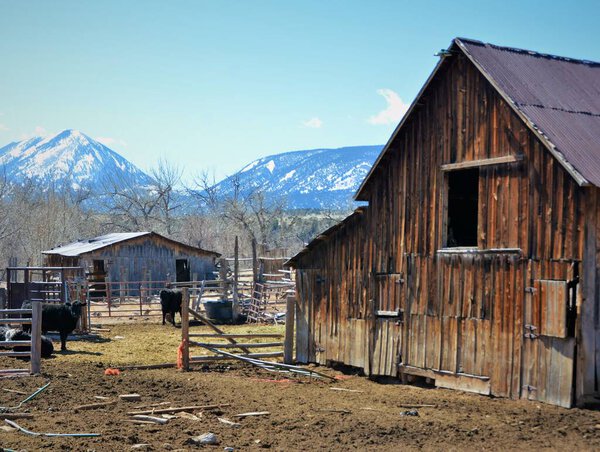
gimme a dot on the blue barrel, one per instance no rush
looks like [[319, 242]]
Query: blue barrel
[[219, 310]]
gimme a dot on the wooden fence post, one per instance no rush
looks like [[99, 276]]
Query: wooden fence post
[[185, 328], [122, 285], [235, 308], [254, 262], [288, 346], [36, 336]]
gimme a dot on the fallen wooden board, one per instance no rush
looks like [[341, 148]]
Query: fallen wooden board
[[131, 397], [345, 390], [148, 366], [14, 391], [183, 408], [16, 416], [228, 422], [417, 405], [93, 406], [156, 420], [253, 413]]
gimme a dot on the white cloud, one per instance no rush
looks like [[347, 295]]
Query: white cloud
[[3, 127], [39, 131], [394, 111], [109, 141], [313, 123]]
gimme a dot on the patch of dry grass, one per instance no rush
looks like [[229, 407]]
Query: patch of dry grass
[[141, 343]]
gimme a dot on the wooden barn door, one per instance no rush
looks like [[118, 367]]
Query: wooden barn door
[[386, 341], [548, 345]]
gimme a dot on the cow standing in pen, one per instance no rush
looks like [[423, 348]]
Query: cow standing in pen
[[170, 302], [59, 317]]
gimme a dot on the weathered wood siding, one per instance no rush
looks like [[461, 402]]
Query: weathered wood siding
[[463, 313], [150, 254]]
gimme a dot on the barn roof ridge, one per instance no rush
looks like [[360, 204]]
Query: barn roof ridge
[[83, 246], [532, 53], [558, 100]]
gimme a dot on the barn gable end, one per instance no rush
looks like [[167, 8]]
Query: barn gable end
[[469, 265]]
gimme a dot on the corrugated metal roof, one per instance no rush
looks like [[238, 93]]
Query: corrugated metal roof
[[85, 246], [559, 96]]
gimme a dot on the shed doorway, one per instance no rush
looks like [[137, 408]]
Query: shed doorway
[[182, 270]]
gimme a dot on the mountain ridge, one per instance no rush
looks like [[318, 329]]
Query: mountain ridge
[[70, 156], [310, 179], [322, 178]]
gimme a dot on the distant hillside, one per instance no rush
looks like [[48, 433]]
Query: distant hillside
[[312, 179]]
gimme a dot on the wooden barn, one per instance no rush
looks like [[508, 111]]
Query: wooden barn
[[134, 256], [475, 263]]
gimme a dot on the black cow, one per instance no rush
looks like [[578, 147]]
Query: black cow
[[59, 317], [16, 334], [170, 301]]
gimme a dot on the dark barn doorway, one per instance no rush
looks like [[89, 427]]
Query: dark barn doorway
[[182, 270]]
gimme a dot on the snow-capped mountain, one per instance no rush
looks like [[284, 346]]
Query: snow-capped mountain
[[69, 157], [312, 179]]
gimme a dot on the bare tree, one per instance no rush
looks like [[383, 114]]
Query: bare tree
[[167, 178]]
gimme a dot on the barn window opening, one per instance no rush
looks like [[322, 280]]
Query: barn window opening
[[463, 200]]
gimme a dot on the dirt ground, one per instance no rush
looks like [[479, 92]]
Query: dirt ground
[[304, 414]]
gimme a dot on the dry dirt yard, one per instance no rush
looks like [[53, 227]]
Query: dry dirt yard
[[304, 414]]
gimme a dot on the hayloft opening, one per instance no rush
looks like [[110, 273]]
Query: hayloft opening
[[463, 200]]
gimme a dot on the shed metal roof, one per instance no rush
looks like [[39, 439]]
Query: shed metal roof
[[558, 98], [85, 246]]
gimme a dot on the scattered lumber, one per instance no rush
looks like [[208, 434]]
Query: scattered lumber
[[345, 390], [271, 366], [183, 408], [156, 420], [334, 410], [93, 406], [137, 421], [253, 413], [14, 391], [228, 422], [417, 405], [29, 432], [130, 397], [148, 366], [152, 405], [16, 416], [193, 417]]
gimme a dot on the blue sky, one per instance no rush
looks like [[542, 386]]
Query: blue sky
[[216, 84]]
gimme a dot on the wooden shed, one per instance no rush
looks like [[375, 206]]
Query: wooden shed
[[475, 263], [134, 256]]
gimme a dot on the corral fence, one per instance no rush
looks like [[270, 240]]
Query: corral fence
[[127, 299], [15, 316], [222, 345]]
